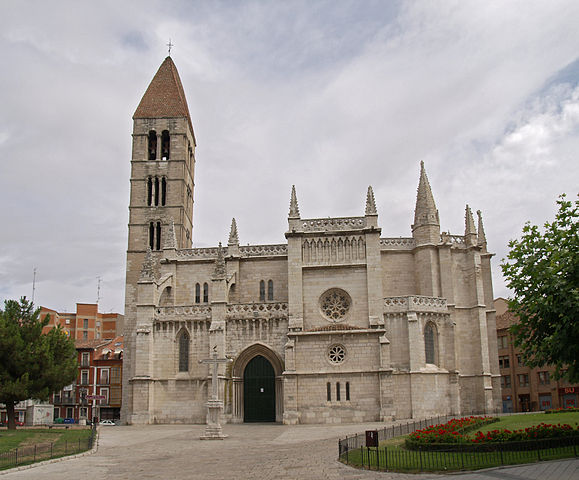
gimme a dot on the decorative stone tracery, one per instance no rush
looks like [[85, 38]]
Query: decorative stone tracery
[[335, 304]]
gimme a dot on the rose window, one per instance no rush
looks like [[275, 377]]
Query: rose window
[[335, 304], [336, 354]]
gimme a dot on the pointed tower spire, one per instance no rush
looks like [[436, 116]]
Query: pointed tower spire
[[470, 235], [165, 97], [426, 228], [171, 238], [370, 202], [147, 271], [233, 237], [220, 271], [294, 211], [482, 238]]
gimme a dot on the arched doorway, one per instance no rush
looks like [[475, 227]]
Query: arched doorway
[[259, 391]]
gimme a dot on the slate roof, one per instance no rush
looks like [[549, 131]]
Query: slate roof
[[165, 97]]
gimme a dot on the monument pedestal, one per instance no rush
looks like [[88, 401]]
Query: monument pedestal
[[213, 429]]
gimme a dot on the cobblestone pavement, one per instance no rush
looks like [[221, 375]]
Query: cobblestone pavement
[[250, 452]]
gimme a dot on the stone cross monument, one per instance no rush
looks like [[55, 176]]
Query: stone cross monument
[[214, 405]]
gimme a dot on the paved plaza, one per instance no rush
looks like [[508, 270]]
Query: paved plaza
[[258, 451]]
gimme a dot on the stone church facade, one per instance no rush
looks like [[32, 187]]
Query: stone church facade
[[339, 324]]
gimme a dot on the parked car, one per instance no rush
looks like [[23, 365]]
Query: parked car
[[107, 422]]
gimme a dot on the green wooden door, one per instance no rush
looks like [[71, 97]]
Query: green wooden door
[[259, 391]]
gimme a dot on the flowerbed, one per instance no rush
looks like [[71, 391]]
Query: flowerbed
[[562, 410], [450, 432], [536, 432]]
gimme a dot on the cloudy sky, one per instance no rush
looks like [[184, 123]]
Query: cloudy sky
[[328, 95]]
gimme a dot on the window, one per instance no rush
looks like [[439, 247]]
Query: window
[[165, 145], [85, 335], [156, 190], [152, 145], [184, 352], [270, 290], [84, 377], [429, 343], [115, 396], [523, 380], [83, 393], [85, 359], [104, 376], [338, 392], [329, 392], [520, 361], [163, 191], [85, 323], [149, 191], [105, 393], [115, 375], [262, 291], [506, 381], [504, 361], [336, 354], [544, 378], [205, 293], [335, 304], [348, 391], [155, 235], [69, 412], [503, 341], [197, 293], [56, 412]]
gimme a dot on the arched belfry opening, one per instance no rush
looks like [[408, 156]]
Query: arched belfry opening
[[257, 385]]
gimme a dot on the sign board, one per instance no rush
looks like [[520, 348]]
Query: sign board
[[96, 397], [371, 438]]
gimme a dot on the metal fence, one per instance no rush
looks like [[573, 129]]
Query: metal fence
[[353, 451], [45, 451], [359, 440]]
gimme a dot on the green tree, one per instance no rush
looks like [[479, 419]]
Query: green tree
[[542, 269], [32, 364]]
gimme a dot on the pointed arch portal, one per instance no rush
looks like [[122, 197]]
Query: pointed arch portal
[[257, 385], [259, 391]]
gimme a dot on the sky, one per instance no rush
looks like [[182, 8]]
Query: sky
[[331, 96]]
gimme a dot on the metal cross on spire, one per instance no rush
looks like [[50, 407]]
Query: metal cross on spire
[[170, 45]]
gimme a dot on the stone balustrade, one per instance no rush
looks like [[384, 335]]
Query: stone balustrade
[[414, 303], [257, 310], [333, 224], [397, 243]]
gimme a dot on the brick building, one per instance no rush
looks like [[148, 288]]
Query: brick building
[[527, 389], [87, 323], [97, 391]]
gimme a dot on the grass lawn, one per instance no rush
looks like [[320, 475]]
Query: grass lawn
[[27, 445], [396, 458]]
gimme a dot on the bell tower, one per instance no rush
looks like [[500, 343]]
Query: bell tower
[[162, 172]]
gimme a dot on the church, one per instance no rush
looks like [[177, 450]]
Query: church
[[337, 324]]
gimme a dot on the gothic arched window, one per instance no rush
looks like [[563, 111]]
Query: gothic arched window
[[152, 147], [262, 291], [163, 191], [152, 235], [429, 343], [156, 191], [270, 290], [158, 236], [165, 145], [197, 293], [205, 293], [149, 191], [184, 352]]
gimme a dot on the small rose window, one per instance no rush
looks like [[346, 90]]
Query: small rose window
[[335, 304], [336, 354]]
